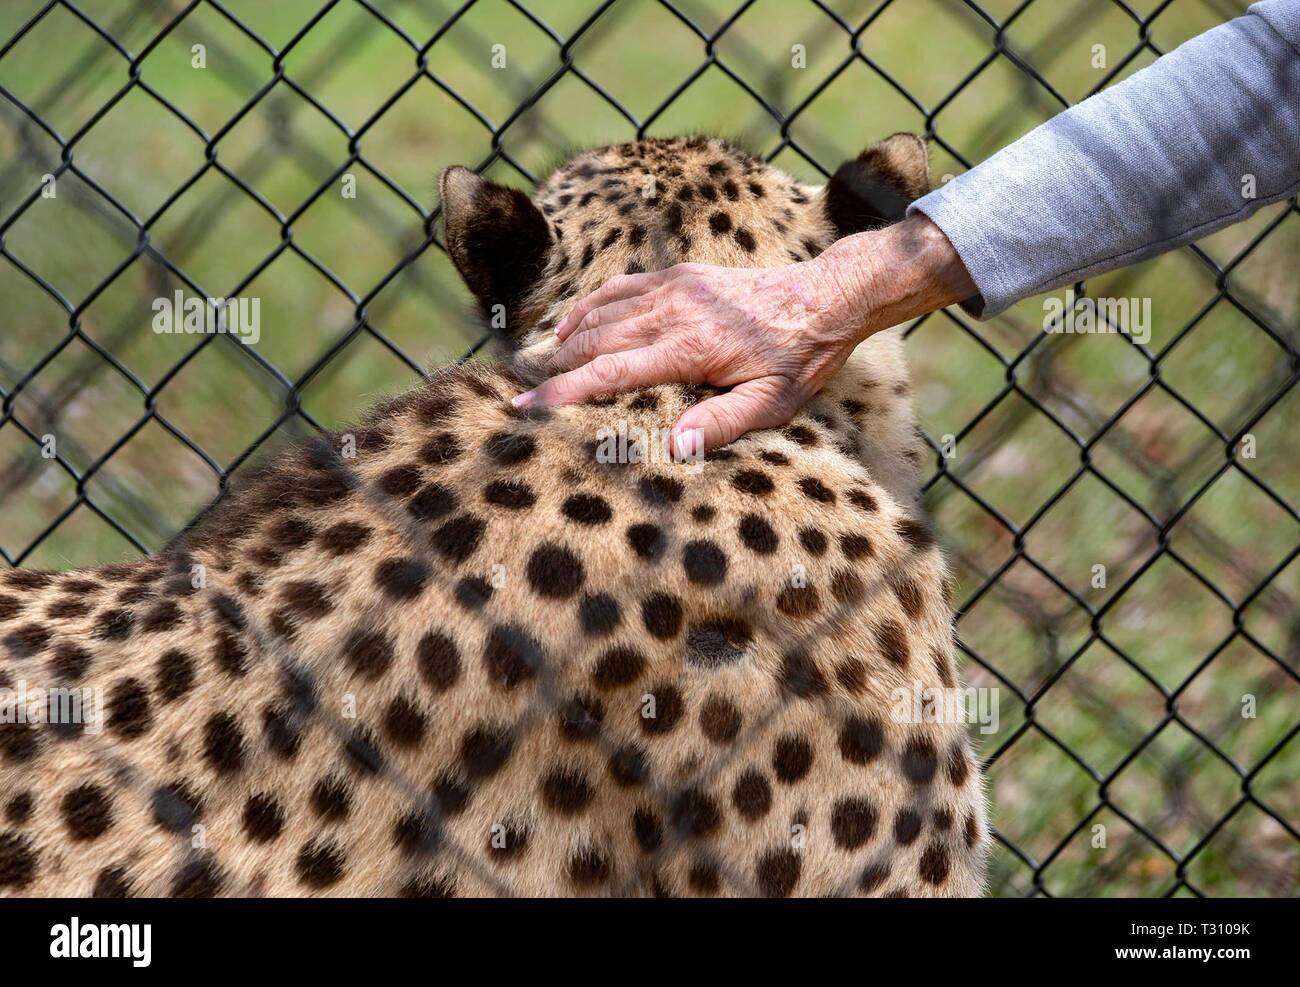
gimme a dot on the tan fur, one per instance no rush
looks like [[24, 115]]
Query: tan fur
[[830, 635]]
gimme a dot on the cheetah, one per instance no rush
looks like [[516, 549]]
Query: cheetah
[[465, 649]]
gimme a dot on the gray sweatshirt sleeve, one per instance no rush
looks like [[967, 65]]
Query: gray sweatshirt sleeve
[[1153, 162]]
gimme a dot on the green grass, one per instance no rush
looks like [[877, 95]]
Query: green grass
[[1026, 628]]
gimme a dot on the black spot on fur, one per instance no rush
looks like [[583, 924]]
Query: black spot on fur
[[417, 833], [368, 653], [511, 656], [627, 766], [401, 579], [720, 720], [617, 667], [163, 616], [587, 509], [915, 533], [459, 538], [113, 625], [567, 791], [694, 812], [223, 743], [853, 820], [130, 714], [580, 718], [792, 758], [892, 641], [861, 740], [344, 537], [331, 800], [17, 861], [175, 807], [554, 572], [657, 490], [801, 675], [757, 535], [514, 495], [704, 562], [777, 873], [907, 827], [112, 882], [19, 742], [648, 829], [662, 615], [434, 500], [648, 541], [473, 592], [363, 752], [263, 819], [484, 751], [717, 642], [814, 489], [440, 449], [752, 795], [281, 732], [199, 878], [401, 481], [87, 812], [754, 482], [19, 808], [510, 448], [920, 761], [320, 864], [668, 708], [438, 659], [599, 614], [175, 675]]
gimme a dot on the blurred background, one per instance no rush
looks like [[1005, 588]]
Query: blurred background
[[1160, 706]]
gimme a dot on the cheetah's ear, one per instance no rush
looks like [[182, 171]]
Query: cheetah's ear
[[497, 239], [875, 188]]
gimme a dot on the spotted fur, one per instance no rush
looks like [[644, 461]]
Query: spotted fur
[[474, 658]]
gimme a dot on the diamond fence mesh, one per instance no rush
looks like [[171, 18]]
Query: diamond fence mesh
[[1120, 508]]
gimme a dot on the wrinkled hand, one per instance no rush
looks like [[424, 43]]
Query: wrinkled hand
[[774, 336]]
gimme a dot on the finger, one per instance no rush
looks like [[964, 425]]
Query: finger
[[629, 334], [615, 289], [611, 312], [609, 373], [763, 403]]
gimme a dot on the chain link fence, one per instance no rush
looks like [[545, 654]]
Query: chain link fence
[[1120, 507]]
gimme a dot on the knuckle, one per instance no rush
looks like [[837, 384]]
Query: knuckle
[[725, 418], [586, 347], [607, 370]]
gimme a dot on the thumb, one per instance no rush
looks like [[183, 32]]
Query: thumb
[[762, 403]]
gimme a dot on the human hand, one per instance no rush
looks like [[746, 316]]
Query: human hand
[[774, 336]]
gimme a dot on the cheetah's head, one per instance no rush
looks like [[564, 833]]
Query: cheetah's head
[[648, 205]]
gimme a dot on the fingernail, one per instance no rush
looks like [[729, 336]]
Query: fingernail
[[561, 325], [688, 444], [523, 400]]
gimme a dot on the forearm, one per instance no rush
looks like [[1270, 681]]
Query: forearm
[[1197, 141]]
